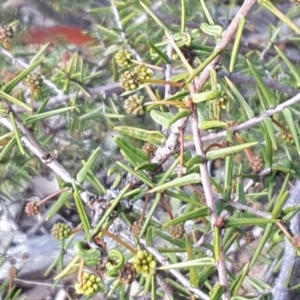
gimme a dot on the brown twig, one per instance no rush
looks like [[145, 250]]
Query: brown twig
[[279, 125], [52, 196], [284, 230], [249, 153], [197, 86], [160, 81], [80, 270], [214, 145], [147, 198], [167, 207]]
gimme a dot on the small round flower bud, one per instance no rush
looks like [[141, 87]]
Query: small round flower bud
[[32, 209], [35, 80], [256, 163], [61, 231], [176, 231], [149, 149], [89, 285], [134, 105], [144, 262], [136, 228], [123, 58], [129, 80], [223, 100], [143, 72], [128, 273], [6, 34], [12, 272], [288, 137]]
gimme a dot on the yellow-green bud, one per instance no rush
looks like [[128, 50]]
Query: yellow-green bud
[[123, 58]]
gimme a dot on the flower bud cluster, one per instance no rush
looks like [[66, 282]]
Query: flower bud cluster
[[144, 262]]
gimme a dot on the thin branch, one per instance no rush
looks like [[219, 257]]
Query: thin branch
[[197, 85], [210, 201], [254, 121], [243, 207], [224, 42], [171, 145], [105, 91]]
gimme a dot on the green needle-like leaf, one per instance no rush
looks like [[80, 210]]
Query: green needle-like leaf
[[81, 211], [231, 221], [63, 198], [16, 132], [9, 86], [155, 137], [200, 262], [88, 165], [193, 178], [197, 213], [13, 100], [221, 153], [240, 99], [48, 114]]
